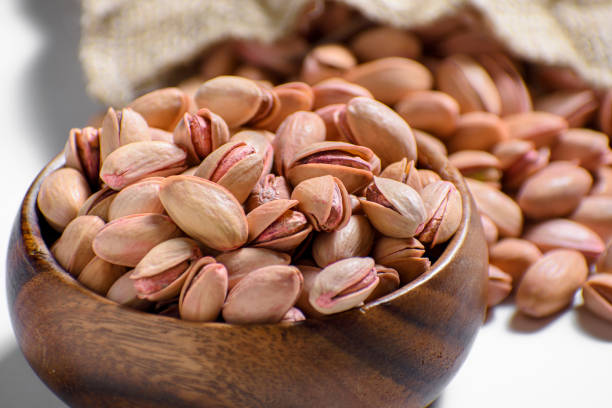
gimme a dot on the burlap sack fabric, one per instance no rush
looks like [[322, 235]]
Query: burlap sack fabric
[[126, 44]]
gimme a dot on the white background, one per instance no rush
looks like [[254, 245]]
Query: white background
[[564, 361]]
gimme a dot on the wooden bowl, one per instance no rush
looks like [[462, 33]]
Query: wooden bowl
[[398, 351]]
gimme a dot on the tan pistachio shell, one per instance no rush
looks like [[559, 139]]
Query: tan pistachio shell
[[205, 211], [541, 128], [269, 188], [264, 295], [596, 213], [62, 193], [82, 152], [73, 250], [140, 160], [500, 208], [354, 240], [293, 315], [577, 106], [114, 133], [405, 255], [309, 274], [603, 182], [585, 146], [140, 197], [478, 131], [260, 140], [99, 275], [604, 261], [330, 115], [499, 286], [126, 240], [388, 281], [565, 234], [124, 293], [316, 202], [431, 111], [188, 134], [245, 260], [99, 203], [477, 164], [442, 202], [490, 230], [326, 61], [336, 90], [292, 97], [162, 108], [404, 171], [514, 256], [381, 42], [597, 295], [204, 291]]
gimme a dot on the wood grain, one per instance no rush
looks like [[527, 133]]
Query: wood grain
[[399, 351]]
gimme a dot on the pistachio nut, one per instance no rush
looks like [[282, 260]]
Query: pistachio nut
[[541, 128], [431, 111], [293, 315], [394, 209], [236, 166], [520, 160], [82, 152], [99, 203], [124, 293], [595, 212], [61, 195], [274, 225], [292, 97], [550, 283], [428, 142], [263, 296], [514, 256], [585, 146], [242, 261], [120, 128], [354, 240], [297, 132], [261, 141], [428, 176], [326, 61], [500, 208], [405, 255], [499, 286], [371, 124], [469, 84], [577, 107], [597, 295], [382, 42], [333, 91], [405, 172], [199, 134], [352, 164], [324, 201], [99, 275], [309, 273], [140, 160], [138, 198], [390, 79], [490, 230], [269, 188], [556, 77], [162, 108], [73, 249], [554, 191], [160, 274], [443, 205], [343, 285], [478, 131], [126, 240], [204, 290], [388, 281], [565, 234], [330, 115], [603, 182], [237, 100], [477, 164], [604, 261], [205, 211]]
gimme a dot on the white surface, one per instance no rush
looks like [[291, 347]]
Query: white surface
[[515, 362]]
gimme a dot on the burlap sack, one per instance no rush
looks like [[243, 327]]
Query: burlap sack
[[126, 44]]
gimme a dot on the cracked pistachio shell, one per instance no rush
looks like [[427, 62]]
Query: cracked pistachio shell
[[407, 216], [261, 141], [597, 295], [405, 255], [514, 256], [565, 234], [124, 293], [343, 285], [199, 134], [138, 198], [405, 172], [388, 281], [160, 274], [61, 195], [140, 160], [332, 160], [121, 128], [269, 188], [99, 275], [549, 284], [500, 208], [324, 201], [499, 286], [126, 240], [428, 176], [309, 273], [98, 203], [336, 90], [264, 295], [205, 211], [378, 127], [242, 168], [389, 79], [82, 152], [162, 108], [204, 291], [293, 97], [354, 240], [73, 250], [443, 204], [297, 132], [242, 261]]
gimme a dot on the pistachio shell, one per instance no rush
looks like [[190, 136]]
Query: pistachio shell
[[162, 108], [126, 240], [381, 42], [403, 171], [99, 275], [165, 255], [597, 294], [263, 216], [124, 293], [514, 256], [205, 211], [263, 296], [577, 107], [499, 287], [61, 195], [140, 197], [336, 90], [245, 260], [443, 204], [595, 212], [293, 97], [200, 134], [566, 234], [477, 164], [297, 132], [121, 128], [478, 131], [309, 274], [490, 230], [326, 61], [354, 240], [204, 291], [431, 111], [604, 261], [500, 208], [293, 315], [405, 255], [73, 249], [82, 152], [541, 128], [587, 147], [388, 281], [99, 203], [269, 188], [325, 202]]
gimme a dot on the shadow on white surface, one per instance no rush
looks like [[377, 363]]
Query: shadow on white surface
[[20, 387], [592, 324]]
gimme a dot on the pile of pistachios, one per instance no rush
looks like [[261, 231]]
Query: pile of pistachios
[[281, 181]]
